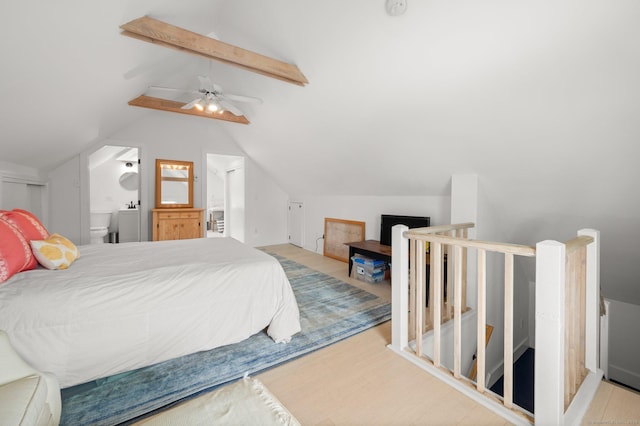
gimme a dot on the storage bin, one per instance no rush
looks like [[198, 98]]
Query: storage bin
[[370, 278], [369, 270], [372, 263]]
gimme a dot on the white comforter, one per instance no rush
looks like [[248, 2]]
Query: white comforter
[[125, 306]]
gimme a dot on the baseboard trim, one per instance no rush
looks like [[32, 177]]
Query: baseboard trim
[[624, 376], [582, 400]]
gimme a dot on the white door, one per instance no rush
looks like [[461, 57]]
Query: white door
[[14, 196], [19, 195], [296, 223]]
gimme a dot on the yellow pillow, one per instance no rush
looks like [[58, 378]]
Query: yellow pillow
[[56, 252]]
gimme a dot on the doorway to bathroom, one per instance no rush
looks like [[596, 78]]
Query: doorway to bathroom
[[114, 193], [225, 196]]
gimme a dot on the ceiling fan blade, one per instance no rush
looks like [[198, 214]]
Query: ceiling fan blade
[[241, 98], [232, 109], [169, 89], [191, 104]]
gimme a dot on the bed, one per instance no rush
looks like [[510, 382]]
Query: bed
[[124, 306]]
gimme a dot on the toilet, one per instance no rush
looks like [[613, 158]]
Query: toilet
[[99, 223]]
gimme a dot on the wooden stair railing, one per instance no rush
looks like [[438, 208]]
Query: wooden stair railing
[[567, 298]]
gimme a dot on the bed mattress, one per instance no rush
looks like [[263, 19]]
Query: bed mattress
[[124, 306]]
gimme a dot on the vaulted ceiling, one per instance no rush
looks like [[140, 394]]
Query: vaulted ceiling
[[540, 99]]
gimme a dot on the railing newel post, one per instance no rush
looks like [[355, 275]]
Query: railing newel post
[[399, 288], [549, 334]]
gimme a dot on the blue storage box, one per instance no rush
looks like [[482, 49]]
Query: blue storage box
[[369, 270], [365, 261]]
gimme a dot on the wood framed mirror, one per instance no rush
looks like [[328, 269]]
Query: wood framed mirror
[[174, 184]]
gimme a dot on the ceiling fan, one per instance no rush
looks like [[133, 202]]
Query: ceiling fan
[[210, 98]]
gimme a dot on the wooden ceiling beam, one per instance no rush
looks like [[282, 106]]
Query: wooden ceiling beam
[[175, 106], [154, 31]]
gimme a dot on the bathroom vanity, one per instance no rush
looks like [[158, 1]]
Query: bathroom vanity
[[128, 225]]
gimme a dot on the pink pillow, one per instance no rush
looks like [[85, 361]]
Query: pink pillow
[[15, 252], [29, 226]]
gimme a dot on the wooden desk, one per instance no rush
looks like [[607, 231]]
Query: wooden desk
[[369, 248]]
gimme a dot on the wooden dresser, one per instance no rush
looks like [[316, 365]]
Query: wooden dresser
[[177, 224]]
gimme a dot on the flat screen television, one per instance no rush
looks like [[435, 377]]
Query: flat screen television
[[389, 220]]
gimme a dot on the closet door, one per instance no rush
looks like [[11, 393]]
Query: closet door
[[18, 195], [296, 216]]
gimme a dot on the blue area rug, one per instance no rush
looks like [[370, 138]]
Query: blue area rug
[[330, 310]]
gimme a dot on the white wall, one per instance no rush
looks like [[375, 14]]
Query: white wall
[[624, 345], [265, 208], [64, 201], [169, 136], [367, 209], [16, 170], [468, 205], [490, 227], [464, 208]]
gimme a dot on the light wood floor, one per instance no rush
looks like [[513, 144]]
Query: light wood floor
[[360, 382]]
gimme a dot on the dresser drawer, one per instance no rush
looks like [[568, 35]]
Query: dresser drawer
[[169, 215], [190, 215]]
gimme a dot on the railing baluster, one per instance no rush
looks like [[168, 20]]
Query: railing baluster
[[412, 289], [576, 324], [463, 297], [583, 312], [420, 298], [508, 330], [436, 261], [432, 284], [482, 320], [447, 302], [457, 316], [569, 330]]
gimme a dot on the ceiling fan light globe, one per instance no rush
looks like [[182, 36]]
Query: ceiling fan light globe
[[199, 107], [212, 107]]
